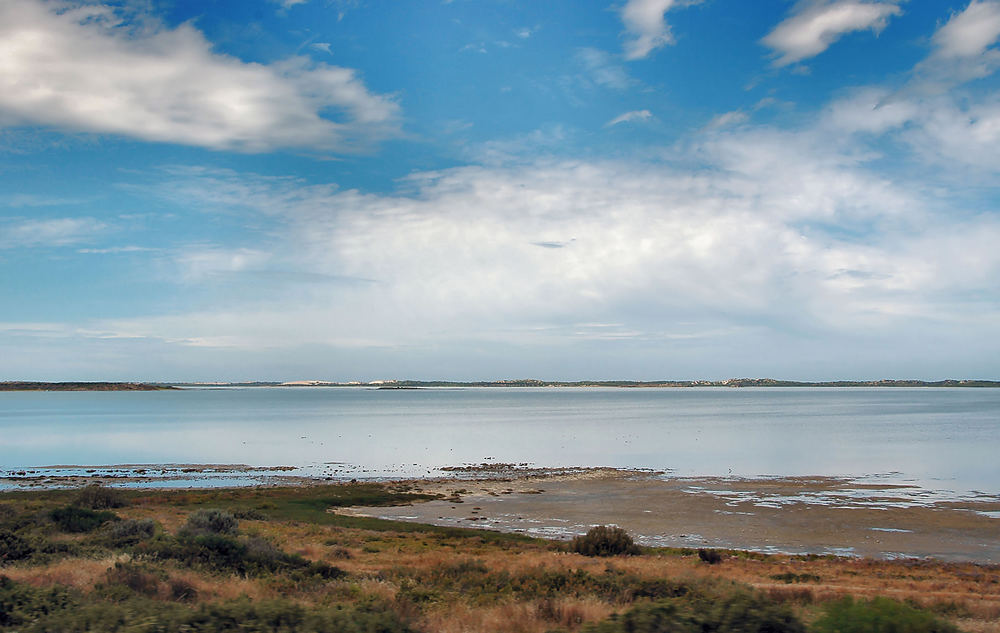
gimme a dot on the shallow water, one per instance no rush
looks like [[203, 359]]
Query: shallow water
[[938, 439]]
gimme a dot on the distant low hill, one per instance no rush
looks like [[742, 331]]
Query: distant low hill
[[18, 385], [531, 382]]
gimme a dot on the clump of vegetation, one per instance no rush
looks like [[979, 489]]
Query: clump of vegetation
[[74, 519], [230, 554], [98, 497], [709, 556], [790, 577], [131, 531], [212, 521], [249, 514], [131, 578], [182, 591], [735, 612], [30, 610], [13, 547], [604, 540], [878, 615], [7, 512]]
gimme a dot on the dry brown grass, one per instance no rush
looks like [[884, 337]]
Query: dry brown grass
[[79, 573], [967, 594], [536, 616]]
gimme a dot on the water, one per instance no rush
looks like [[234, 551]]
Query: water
[[939, 439]]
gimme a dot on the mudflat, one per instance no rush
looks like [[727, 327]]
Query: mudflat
[[818, 515]]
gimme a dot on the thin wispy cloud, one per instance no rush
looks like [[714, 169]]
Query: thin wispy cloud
[[49, 233], [635, 116]]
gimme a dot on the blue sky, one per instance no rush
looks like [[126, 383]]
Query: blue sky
[[342, 190]]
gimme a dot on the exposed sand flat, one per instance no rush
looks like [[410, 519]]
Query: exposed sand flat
[[793, 515]]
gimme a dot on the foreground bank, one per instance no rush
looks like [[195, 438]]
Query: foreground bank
[[281, 559]]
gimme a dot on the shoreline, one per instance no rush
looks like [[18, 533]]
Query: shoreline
[[803, 516], [779, 515]]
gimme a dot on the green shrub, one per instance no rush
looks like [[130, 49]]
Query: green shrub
[[879, 615], [30, 610], [20, 604], [211, 521], [243, 556], [736, 612], [131, 531], [603, 540], [249, 514], [74, 519], [98, 497], [13, 547], [7, 512]]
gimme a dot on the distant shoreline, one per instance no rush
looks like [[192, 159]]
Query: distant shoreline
[[526, 383], [82, 386]]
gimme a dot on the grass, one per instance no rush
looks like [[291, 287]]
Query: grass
[[278, 559]]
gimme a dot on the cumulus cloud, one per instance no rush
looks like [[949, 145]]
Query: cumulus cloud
[[49, 232], [815, 25], [88, 68], [646, 26], [635, 116]]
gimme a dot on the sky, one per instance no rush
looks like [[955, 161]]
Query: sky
[[479, 189]]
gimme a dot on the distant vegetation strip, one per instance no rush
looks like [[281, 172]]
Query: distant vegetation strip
[[528, 382], [80, 386]]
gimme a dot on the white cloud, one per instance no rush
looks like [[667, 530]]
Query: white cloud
[[815, 25], [322, 47], [766, 237], [645, 23], [49, 232], [86, 68], [971, 32], [635, 116], [964, 50]]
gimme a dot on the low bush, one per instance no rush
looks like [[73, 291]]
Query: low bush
[[30, 610], [603, 540], [131, 531], [709, 556], [735, 612], [211, 521], [182, 591], [98, 497], [135, 578], [13, 547], [249, 514], [74, 519], [879, 615], [229, 554]]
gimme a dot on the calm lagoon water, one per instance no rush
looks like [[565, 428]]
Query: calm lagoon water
[[940, 439]]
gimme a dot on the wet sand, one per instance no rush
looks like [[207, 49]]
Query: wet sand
[[783, 515]]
